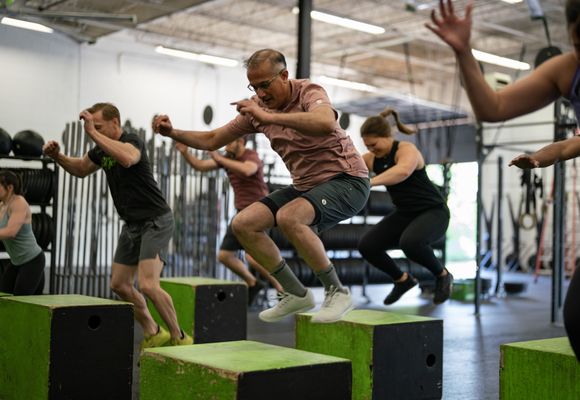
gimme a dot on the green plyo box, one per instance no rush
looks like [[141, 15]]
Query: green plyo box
[[65, 347], [539, 370], [210, 310], [242, 370], [2, 294], [463, 290], [394, 356]]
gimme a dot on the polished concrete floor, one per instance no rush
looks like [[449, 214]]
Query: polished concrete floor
[[471, 343]]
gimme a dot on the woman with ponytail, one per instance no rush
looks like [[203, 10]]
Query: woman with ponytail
[[25, 273], [421, 215]]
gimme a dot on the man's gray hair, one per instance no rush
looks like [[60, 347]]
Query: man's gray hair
[[275, 58]]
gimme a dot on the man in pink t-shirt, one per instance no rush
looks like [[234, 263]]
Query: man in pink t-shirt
[[329, 179], [245, 172]]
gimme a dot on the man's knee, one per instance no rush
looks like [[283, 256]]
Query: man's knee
[[225, 256], [239, 225], [122, 289], [149, 287], [255, 218], [286, 219]]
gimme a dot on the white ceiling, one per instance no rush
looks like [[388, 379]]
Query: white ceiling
[[407, 58]]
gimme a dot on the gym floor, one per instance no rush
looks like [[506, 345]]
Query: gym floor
[[471, 344]]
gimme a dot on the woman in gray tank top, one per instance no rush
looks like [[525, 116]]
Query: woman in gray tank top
[[24, 275]]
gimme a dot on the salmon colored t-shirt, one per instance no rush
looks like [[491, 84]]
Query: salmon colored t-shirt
[[311, 160], [248, 189]]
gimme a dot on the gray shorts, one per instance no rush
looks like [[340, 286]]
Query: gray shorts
[[335, 200], [144, 240], [230, 241]]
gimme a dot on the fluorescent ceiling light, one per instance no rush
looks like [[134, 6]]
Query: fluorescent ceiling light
[[344, 22], [347, 84], [411, 5], [512, 1], [226, 62], [33, 26], [502, 61]]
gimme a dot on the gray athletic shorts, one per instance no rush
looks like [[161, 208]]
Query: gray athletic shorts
[[230, 241], [335, 200], [144, 240]]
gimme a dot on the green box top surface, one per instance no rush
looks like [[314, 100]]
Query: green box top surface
[[376, 318], [2, 294], [198, 281], [559, 345], [64, 300], [243, 356]]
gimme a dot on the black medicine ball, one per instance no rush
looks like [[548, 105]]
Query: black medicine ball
[[27, 143], [5, 142], [545, 54]]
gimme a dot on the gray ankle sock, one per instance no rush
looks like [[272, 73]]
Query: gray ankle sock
[[288, 280], [329, 278]]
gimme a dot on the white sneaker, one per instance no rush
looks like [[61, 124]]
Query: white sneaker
[[335, 305], [288, 304]]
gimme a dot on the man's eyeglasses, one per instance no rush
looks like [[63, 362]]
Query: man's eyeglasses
[[266, 84]]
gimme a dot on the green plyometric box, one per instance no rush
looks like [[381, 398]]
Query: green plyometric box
[[2, 294], [210, 310], [393, 356], [242, 370], [65, 347], [463, 290], [539, 370]]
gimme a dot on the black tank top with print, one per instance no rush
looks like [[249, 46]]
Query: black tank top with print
[[416, 193]]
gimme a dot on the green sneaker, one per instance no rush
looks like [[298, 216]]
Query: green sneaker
[[183, 341], [157, 340]]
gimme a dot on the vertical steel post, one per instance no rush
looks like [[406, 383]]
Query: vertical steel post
[[304, 39]]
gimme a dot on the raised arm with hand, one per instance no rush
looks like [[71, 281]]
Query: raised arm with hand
[[203, 140], [242, 168], [548, 155], [531, 93], [196, 163], [124, 153], [317, 122], [79, 167]]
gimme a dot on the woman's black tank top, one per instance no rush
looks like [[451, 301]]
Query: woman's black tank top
[[416, 193]]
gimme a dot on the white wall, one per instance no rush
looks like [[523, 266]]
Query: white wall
[[39, 81], [49, 78], [46, 79]]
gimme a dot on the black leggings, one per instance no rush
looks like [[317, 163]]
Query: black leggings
[[25, 279], [411, 232], [572, 313]]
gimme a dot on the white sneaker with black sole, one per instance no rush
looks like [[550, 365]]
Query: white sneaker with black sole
[[336, 304], [288, 304]]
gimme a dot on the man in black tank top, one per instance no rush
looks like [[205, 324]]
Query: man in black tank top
[[421, 217]]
